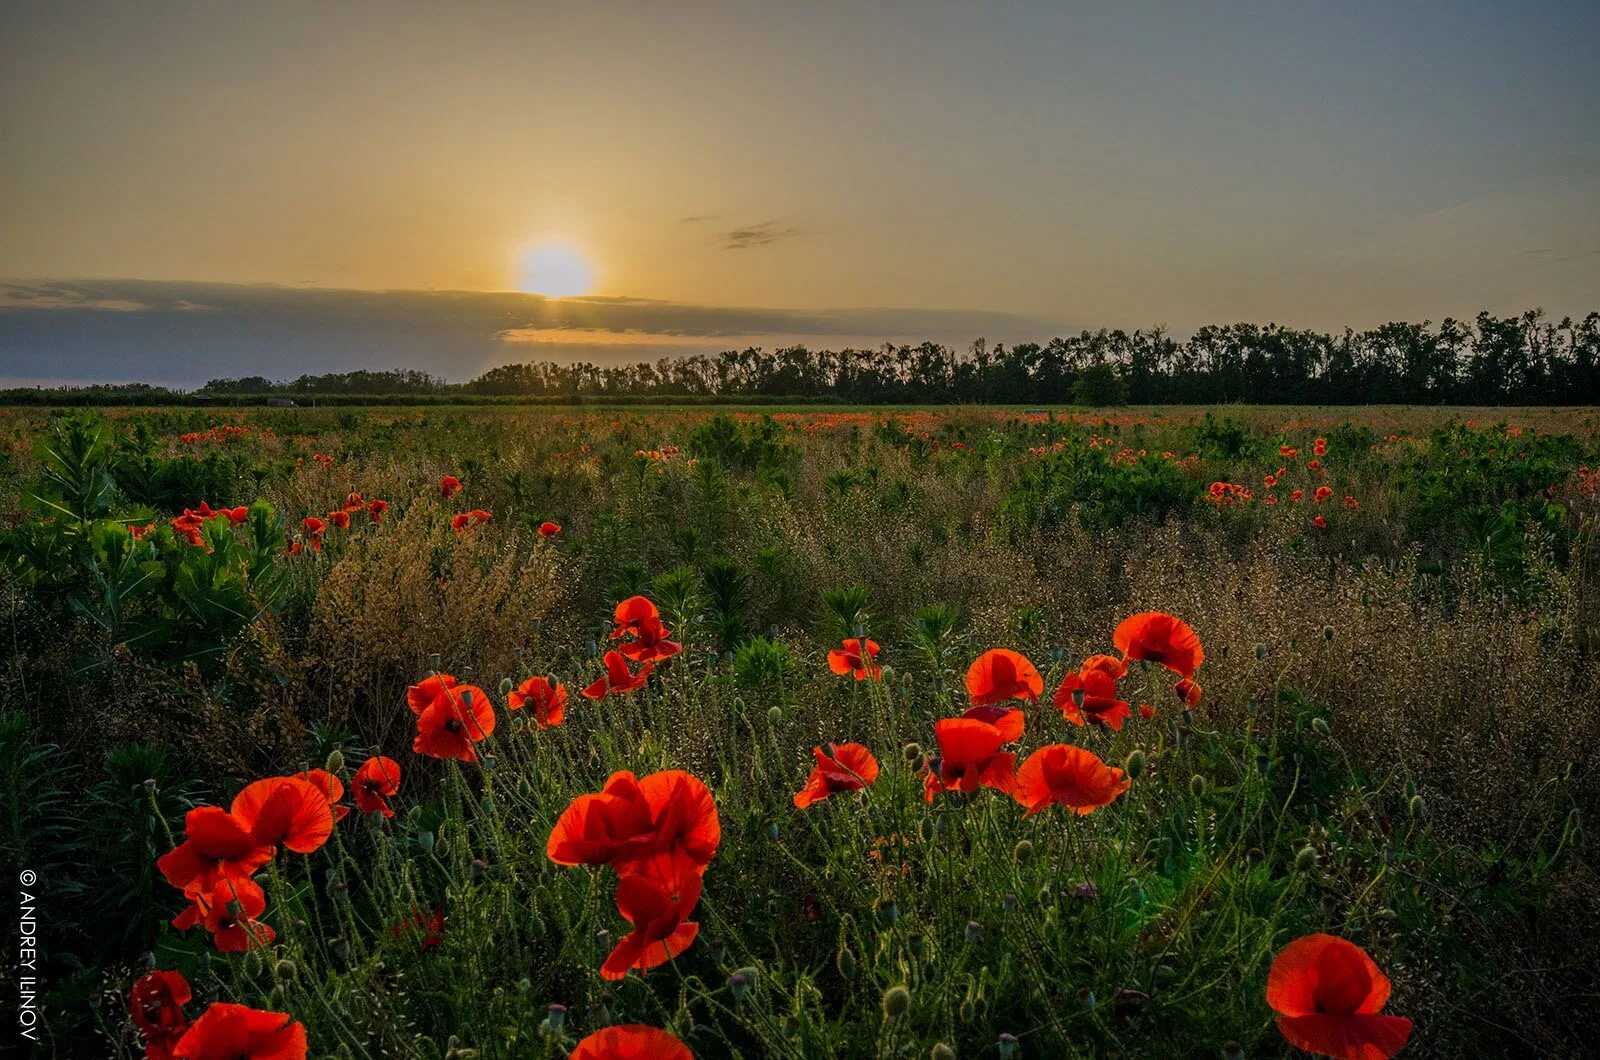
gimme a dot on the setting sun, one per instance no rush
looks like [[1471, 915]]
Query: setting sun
[[555, 270]]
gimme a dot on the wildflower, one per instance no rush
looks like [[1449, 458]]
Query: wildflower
[[1320, 523], [1008, 720], [854, 657], [618, 678], [549, 529], [1296, 495], [633, 823], [236, 1032], [229, 913], [429, 924], [657, 910], [462, 520], [332, 789], [845, 767], [637, 618], [156, 1005], [448, 726], [285, 811], [1069, 775], [1188, 691], [1160, 638], [1328, 995], [896, 1002], [969, 758], [631, 1041], [238, 516], [449, 486], [1090, 693], [339, 518], [1288, 452], [216, 846], [376, 507], [353, 502], [1320, 447], [545, 698], [1322, 493], [1000, 674], [376, 780]]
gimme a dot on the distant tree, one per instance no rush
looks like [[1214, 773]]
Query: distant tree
[[1099, 385]]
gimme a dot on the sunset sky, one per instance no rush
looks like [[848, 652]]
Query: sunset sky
[[732, 173]]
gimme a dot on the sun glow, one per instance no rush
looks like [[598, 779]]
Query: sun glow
[[555, 270]]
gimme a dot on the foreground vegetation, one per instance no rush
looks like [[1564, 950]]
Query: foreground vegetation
[[1384, 737]]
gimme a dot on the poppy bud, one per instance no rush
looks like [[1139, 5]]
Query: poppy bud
[[911, 752], [1086, 892], [772, 829], [775, 716], [974, 929], [942, 1051], [1197, 785], [918, 945], [1327, 632], [1022, 852], [1261, 650], [506, 686], [1077, 698], [1306, 859], [887, 911], [846, 963], [1320, 726], [1183, 736], [335, 762], [525, 984], [1009, 902], [1007, 1046], [434, 662], [1385, 914], [425, 842], [1418, 807], [739, 983], [1086, 998], [341, 948], [252, 961], [719, 949], [1135, 764], [479, 867], [896, 1002], [557, 1016], [286, 969]]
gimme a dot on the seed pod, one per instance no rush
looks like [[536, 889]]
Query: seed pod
[[1134, 765], [1320, 727], [1022, 853], [896, 1002]]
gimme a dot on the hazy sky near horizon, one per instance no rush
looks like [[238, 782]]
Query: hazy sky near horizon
[[1021, 167]]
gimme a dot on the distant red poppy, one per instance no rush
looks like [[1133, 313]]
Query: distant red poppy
[[855, 658], [1288, 451], [455, 719], [1295, 495], [1328, 995], [618, 678], [339, 518], [216, 846], [1319, 522], [634, 823], [658, 910], [313, 525], [230, 914], [376, 507], [843, 767], [1089, 694], [238, 516], [376, 780], [1008, 720], [353, 502], [1068, 775], [1160, 638], [1188, 691], [235, 1032], [1320, 447], [1322, 493], [449, 486], [546, 700], [631, 1041], [156, 1005], [430, 925], [549, 529], [969, 758], [1000, 674]]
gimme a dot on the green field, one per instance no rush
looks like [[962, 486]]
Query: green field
[[1392, 740]]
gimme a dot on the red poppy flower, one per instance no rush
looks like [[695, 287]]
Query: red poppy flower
[[1188, 691], [376, 780], [1322, 493], [216, 846], [313, 525], [1090, 693], [1161, 638], [1320, 447], [844, 767], [1069, 775], [1008, 720], [236, 1032], [156, 1005], [657, 910], [546, 700], [229, 913], [1320, 523], [449, 486], [431, 926], [420, 696], [457, 718], [549, 529], [638, 618], [285, 811], [1328, 995], [331, 787], [238, 516], [667, 818], [1000, 674], [969, 758], [631, 1041], [855, 658], [1295, 495], [460, 522], [618, 678], [376, 508], [339, 518]]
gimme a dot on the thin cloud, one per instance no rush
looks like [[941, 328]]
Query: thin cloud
[[757, 235]]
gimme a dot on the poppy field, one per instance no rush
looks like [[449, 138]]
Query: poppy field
[[617, 733]]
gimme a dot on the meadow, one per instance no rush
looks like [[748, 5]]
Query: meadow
[[822, 732]]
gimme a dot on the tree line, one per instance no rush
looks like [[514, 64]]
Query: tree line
[[1527, 359]]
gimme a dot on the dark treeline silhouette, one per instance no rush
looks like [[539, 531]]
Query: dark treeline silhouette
[[1516, 360]]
